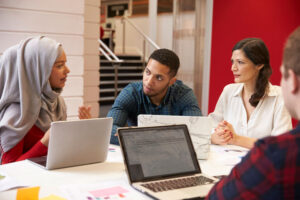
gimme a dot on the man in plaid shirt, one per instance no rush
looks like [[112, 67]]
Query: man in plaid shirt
[[159, 94], [271, 170]]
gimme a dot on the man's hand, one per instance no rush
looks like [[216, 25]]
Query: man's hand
[[84, 112]]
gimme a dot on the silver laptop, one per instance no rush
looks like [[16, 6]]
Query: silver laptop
[[200, 128], [161, 162], [74, 143]]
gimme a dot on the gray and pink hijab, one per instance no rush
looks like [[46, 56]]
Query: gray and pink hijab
[[26, 97]]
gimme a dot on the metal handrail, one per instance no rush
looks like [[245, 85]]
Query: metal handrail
[[116, 59], [145, 38], [105, 54], [141, 32]]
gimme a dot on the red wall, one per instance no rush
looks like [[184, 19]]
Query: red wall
[[233, 20]]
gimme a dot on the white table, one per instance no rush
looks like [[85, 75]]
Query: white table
[[220, 162]]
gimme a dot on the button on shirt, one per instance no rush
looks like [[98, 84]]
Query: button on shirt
[[270, 116], [131, 102]]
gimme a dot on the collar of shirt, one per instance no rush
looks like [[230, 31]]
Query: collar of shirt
[[239, 90], [165, 100], [272, 91]]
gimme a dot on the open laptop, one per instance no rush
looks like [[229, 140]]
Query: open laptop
[[160, 160], [74, 143], [200, 128]]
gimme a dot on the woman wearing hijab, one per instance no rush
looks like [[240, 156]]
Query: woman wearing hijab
[[252, 107], [32, 76]]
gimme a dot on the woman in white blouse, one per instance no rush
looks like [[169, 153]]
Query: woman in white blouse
[[252, 107]]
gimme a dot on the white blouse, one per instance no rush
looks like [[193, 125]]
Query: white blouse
[[270, 116]]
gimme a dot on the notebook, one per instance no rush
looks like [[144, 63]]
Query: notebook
[[161, 162], [200, 128], [74, 143]]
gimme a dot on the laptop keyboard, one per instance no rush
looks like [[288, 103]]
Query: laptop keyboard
[[178, 183]]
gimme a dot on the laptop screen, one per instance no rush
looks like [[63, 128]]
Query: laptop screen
[[157, 152]]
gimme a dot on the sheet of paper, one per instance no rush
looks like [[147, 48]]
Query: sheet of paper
[[229, 150], [115, 191], [114, 154], [52, 197], [108, 190], [7, 182], [222, 159], [228, 155], [30, 193], [228, 160]]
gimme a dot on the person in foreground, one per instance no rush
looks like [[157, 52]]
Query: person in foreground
[[32, 76], [159, 93], [271, 169], [252, 107]]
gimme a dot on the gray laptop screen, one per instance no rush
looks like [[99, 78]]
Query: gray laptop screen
[[156, 152]]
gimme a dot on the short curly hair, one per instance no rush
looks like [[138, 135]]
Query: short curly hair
[[168, 58]]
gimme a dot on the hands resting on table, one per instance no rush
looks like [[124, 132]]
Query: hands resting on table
[[225, 134]]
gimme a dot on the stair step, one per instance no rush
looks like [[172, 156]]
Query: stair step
[[125, 64], [119, 82], [124, 57], [121, 74], [130, 70], [122, 68], [106, 99], [124, 61], [109, 90]]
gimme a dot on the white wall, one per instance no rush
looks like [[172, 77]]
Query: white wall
[[134, 42], [91, 55], [71, 23]]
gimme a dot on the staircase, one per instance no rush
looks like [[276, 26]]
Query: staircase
[[130, 70]]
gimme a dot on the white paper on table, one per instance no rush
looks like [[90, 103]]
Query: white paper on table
[[229, 150], [86, 191], [229, 160], [7, 183], [114, 154], [228, 155]]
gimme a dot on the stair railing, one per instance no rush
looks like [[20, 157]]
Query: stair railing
[[145, 38], [116, 62]]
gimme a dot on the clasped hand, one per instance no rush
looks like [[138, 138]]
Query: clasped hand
[[223, 134]]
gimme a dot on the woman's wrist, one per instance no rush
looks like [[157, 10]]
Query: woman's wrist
[[235, 139], [243, 141]]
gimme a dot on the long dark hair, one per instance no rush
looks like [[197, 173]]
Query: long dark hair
[[256, 50]]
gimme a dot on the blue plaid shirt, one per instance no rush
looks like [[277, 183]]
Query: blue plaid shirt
[[179, 100], [271, 170]]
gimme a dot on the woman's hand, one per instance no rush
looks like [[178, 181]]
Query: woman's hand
[[45, 138], [220, 136], [228, 127], [84, 112], [224, 134], [239, 140]]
